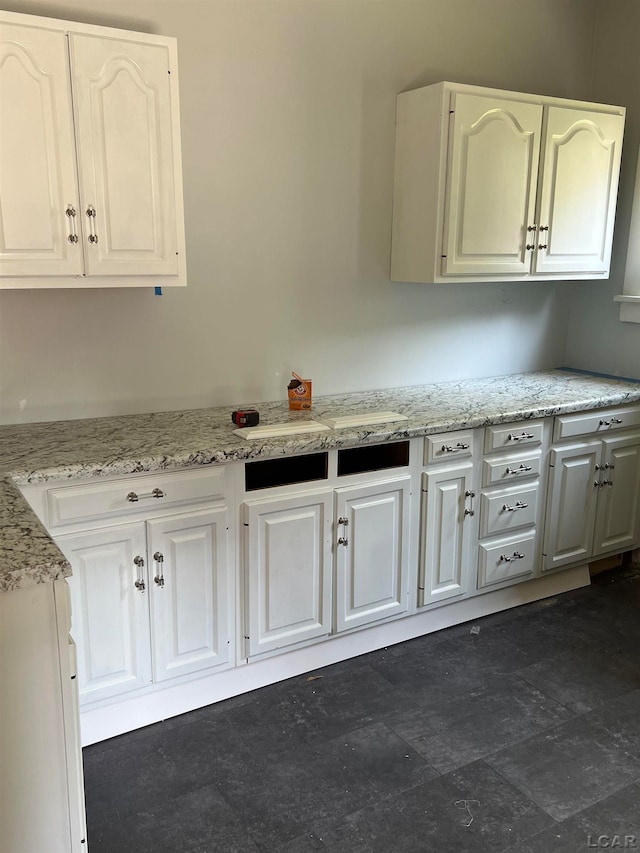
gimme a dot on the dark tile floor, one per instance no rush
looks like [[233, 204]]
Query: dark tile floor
[[522, 737]]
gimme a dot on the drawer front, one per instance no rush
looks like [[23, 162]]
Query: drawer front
[[448, 446], [508, 509], [588, 423], [512, 436], [69, 504], [506, 559], [511, 468]]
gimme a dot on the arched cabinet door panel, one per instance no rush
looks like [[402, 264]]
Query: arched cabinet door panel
[[37, 167], [493, 163], [578, 190], [125, 156]]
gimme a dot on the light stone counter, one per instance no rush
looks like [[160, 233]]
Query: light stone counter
[[101, 447]]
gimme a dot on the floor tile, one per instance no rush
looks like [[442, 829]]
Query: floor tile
[[582, 681], [446, 669], [322, 704], [471, 810], [612, 823], [570, 767], [193, 823], [478, 722]]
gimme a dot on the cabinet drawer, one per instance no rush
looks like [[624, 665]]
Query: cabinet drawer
[[587, 423], [512, 436], [511, 467], [69, 504], [506, 559], [508, 509], [447, 446]]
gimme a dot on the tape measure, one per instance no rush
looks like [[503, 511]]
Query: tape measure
[[245, 417]]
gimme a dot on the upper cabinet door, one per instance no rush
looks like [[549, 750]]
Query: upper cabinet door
[[122, 99], [493, 164], [37, 164], [578, 190]]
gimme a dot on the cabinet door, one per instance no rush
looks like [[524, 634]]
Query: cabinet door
[[491, 184], [110, 614], [123, 110], [372, 560], [446, 534], [37, 167], [288, 554], [571, 504], [618, 518], [188, 576], [578, 190]]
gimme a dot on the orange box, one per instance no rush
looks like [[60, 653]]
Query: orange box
[[299, 394]]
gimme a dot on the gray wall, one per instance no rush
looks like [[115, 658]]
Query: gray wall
[[596, 338], [288, 130]]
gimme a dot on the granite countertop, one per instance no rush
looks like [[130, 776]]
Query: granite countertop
[[112, 446]]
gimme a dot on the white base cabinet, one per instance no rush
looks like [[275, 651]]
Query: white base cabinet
[[288, 565], [593, 506], [372, 554], [318, 562], [150, 600], [110, 615], [152, 586], [446, 533], [333, 552]]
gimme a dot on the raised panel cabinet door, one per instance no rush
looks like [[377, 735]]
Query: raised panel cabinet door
[[38, 181], [372, 551], [445, 534], [188, 579], [618, 517], [571, 504], [126, 157], [580, 163], [288, 572], [110, 614], [491, 184]]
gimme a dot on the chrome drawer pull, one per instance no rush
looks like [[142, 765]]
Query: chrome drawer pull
[[516, 556], [446, 448], [343, 520], [470, 511], [132, 497], [523, 435], [139, 583], [73, 234], [519, 505], [159, 578], [343, 541], [523, 469], [612, 421]]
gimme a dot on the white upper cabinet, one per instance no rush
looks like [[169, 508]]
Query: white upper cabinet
[[90, 173], [503, 186]]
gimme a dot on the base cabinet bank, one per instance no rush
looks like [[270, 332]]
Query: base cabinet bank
[[192, 586]]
